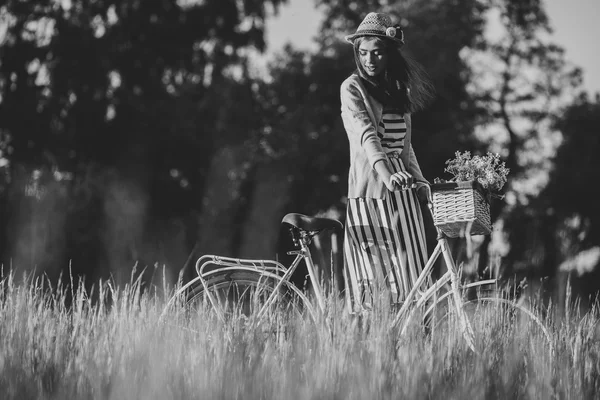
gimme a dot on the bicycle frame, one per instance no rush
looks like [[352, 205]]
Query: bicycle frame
[[452, 275]]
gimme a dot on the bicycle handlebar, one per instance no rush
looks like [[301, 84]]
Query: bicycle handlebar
[[414, 186], [429, 194]]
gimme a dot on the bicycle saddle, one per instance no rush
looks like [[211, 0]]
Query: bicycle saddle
[[312, 224]]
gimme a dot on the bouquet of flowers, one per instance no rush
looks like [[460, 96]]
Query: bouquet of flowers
[[489, 170]]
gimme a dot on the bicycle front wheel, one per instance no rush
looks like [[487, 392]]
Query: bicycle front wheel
[[489, 323]]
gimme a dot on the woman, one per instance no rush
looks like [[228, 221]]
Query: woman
[[384, 247]]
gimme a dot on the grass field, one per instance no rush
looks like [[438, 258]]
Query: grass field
[[118, 347]]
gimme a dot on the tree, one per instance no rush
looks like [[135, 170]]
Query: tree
[[116, 100], [521, 81], [568, 211]]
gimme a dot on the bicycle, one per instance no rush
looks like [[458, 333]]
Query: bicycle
[[261, 289]]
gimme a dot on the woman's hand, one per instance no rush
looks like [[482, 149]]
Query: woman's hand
[[423, 192], [400, 181]]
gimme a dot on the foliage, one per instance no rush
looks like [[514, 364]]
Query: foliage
[[137, 96], [572, 187], [564, 219], [489, 170], [520, 79]]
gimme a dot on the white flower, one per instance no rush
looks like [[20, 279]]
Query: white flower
[[391, 31]]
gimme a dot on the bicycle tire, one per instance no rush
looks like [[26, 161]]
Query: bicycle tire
[[240, 294], [494, 320]]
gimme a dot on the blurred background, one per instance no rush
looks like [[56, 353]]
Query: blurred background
[[144, 133]]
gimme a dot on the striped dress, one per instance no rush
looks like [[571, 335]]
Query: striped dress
[[384, 244]]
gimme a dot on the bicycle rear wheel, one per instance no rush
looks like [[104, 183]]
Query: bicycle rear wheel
[[247, 298], [495, 322]]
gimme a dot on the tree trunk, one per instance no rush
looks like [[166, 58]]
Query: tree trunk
[[218, 223], [267, 204]]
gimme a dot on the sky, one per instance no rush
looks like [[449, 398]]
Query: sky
[[575, 24]]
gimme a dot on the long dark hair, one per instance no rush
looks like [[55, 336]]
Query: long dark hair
[[404, 84]]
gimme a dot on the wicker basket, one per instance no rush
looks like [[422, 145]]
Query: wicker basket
[[461, 208]]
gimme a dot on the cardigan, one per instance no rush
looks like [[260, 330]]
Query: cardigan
[[361, 114]]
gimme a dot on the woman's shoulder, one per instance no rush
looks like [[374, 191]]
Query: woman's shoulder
[[352, 80], [352, 88]]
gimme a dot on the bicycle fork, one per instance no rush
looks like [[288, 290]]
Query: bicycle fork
[[465, 325]]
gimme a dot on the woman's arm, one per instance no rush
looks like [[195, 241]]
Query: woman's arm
[[393, 180], [357, 121], [361, 128]]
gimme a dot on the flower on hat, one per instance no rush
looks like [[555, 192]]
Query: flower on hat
[[390, 31]]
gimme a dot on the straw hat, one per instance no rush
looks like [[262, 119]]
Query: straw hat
[[378, 24]]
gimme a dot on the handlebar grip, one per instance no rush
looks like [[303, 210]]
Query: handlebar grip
[[413, 186]]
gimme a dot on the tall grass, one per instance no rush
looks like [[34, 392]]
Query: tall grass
[[117, 346]]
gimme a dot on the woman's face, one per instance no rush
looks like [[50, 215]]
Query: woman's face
[[373, 56]]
